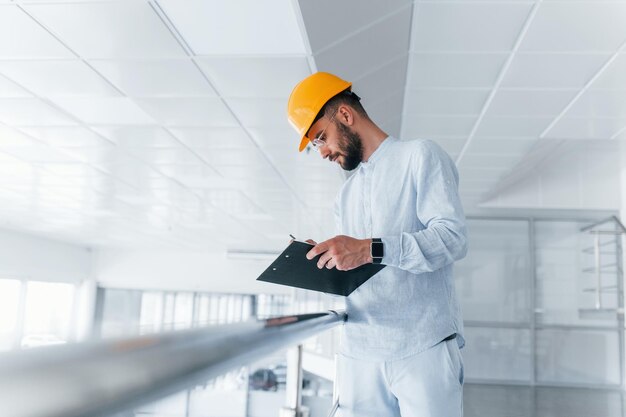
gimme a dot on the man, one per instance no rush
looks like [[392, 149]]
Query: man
[[399, 353]]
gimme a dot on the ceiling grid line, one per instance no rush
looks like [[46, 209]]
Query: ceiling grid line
[[82, 124], [183, 45], [500, 78], [618, 133], [305, 36], [158, 10], [373, 69], [584, 88], [66, 46], [363, 28], [168, 22], [251, 137]]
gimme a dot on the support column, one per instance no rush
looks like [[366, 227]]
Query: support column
[[293, 406]]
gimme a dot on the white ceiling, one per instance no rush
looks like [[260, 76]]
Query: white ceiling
[[162, 123]]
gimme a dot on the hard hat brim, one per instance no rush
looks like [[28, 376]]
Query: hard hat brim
[[304, 142]]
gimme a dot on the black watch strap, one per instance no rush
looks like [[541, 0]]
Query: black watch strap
[[377, 250]]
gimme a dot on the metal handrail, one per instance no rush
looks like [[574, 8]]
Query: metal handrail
[[334, 409], [100, 378], [609, 219]]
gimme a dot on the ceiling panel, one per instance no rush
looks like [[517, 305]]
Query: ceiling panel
[[231, 201], [237, 172], [529, 102], [75, 136], [393, 127], [621, 135], [442, 70], [75, 170], [382, 82], [267, 137], [8, 89], [150, 166], [614, 76], [233, 157], [253, 27], [530, 70], [213, 137], [444, 26], [105, 110], [109, 30], [273, 76], [429, 127], [159, 156], [155, 78], [479, 174], [13, 137], [502, 145], [34, 40], [386, 109], [57, 78], [138, 136], [513, 126], [356, 55], [260, 112], [603, 28], [103, 156], [586, 128], [489, 160], [599, 103], [195, 175], [445, 102], [328, 21], [40, 153], [31, 112], [451, 145], [188, 111]]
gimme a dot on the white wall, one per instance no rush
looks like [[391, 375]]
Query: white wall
[[34, 258], [171, 270]]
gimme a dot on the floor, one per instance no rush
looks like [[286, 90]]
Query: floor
[[513, 401], [479, 401]]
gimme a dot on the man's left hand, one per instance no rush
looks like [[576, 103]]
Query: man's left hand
[[342, 252]]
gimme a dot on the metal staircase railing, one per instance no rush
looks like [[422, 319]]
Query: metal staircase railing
[[100, 378], [606, 271]]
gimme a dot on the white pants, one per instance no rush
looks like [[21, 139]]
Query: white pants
[[428, 384]]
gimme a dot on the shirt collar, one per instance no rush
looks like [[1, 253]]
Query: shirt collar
[[379, 151]]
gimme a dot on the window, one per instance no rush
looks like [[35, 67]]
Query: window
[[34, 313], [47, 314]]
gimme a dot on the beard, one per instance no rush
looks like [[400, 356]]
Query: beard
[[350, 147]]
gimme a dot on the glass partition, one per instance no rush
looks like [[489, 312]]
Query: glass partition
[[527, 292]]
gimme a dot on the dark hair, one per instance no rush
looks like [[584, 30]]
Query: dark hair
[[346, 97]]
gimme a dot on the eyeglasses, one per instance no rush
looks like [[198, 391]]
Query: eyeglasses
[[318, 141]]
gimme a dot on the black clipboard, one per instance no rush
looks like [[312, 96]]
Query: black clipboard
[[292, 268]]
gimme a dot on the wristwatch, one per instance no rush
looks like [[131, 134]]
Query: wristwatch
[[377, 250]]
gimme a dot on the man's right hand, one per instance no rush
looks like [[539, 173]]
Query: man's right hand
[[311, 241]]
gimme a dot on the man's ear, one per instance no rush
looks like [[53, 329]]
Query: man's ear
[[345, 114]]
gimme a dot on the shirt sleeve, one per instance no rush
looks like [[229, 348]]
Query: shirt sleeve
[[444, 237], [337, 216]]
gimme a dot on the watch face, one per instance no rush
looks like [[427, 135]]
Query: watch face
[[377, 250]]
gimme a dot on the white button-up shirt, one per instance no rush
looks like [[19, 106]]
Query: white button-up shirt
[[406, 194]]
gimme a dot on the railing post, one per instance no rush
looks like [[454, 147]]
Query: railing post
[[335, 405], [596, 247], [294, 407]]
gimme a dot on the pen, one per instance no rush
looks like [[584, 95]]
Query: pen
[[292, 236]]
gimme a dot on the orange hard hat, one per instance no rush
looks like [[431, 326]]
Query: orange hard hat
[[308, 98]]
